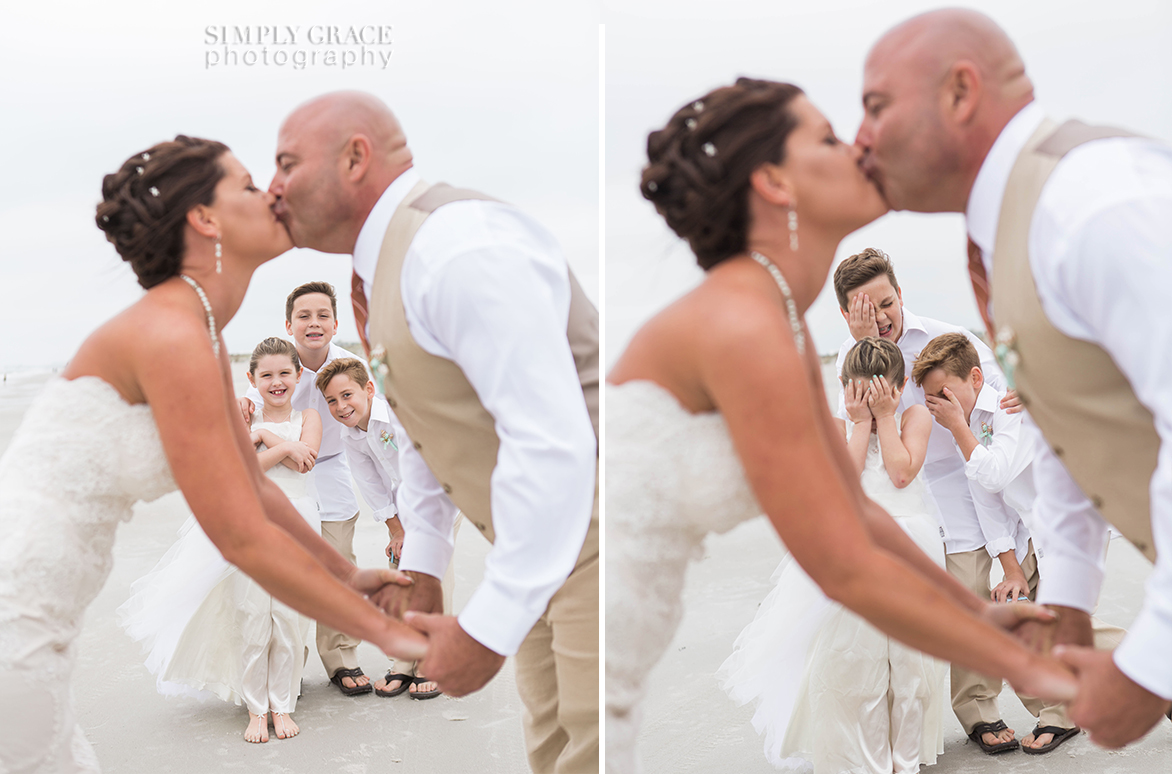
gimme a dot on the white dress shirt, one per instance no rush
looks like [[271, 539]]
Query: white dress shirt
[[373, 455], [486, 287], [329, 480], [943, 469], [1000, 475], [1100, 251]]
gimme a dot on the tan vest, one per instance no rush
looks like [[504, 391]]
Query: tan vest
[[430, 395], [1074, 392]]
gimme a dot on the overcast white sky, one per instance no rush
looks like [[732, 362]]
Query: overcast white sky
[[1106, 62], [499, 96]]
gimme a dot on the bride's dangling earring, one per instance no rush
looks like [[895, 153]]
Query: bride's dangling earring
[[220, 252], [793, 230]]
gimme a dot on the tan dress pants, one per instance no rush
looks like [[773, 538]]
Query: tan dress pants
[[974, 696], [557, 672], [338, 650]]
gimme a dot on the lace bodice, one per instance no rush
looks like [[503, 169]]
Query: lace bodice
[[672, 477], [79, 461]]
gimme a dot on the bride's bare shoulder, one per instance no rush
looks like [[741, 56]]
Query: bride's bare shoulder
[[153, 327]]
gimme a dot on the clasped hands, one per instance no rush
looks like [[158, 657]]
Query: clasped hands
[[455, 661], [1112, 708]]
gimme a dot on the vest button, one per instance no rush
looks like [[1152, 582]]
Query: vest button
[[447, 488], [1097, 502], [480, 526], [418, 446], [392, 402], [1141, 545], [1058, 451]]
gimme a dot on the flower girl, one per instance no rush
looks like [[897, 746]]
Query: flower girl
[[209, 629], [832, 693]]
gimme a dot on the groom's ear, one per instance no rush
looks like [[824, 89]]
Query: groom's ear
[[772, 185], [357, 155], [962, 91]]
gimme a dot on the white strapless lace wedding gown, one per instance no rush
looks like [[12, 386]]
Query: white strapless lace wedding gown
[[672, 478], [833, 693], [79, 461]]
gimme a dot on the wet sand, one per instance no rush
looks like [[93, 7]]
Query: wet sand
[[133, 729]]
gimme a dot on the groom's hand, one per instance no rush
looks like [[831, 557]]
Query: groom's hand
[[455, 661], [424, 594], [371, 583], [1071, 627], [1113, 709]]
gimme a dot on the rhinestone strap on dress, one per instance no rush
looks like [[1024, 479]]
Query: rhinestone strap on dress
[[207, 307], [795, 322]]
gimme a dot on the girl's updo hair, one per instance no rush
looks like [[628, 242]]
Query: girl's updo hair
[[698, 169], [145, 203], [273, 345], [873, 356]]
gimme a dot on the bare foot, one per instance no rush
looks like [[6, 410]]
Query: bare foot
[[422, 687], [1001, 737], [258, 728], [382, 685], [351, 682], [284, 726]]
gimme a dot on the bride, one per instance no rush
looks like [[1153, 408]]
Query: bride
[[145, 406], [716, 410]]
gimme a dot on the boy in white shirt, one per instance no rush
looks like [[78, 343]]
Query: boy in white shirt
[[998, 451], [371, 435]]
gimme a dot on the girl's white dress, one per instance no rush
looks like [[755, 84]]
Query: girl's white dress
[[833, 693], [210, 630]]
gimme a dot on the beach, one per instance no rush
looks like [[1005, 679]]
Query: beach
[[133, 729], [690, 725]]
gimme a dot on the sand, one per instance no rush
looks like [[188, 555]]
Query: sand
[[134, 729]]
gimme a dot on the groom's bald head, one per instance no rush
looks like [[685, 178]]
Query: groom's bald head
[[937, 90], [336, 154]]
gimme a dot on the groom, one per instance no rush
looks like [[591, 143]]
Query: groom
[[1071, 256], [487, 350]]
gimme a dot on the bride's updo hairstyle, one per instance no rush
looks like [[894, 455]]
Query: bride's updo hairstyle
[[698, 169], [145, 203], [873, 356]]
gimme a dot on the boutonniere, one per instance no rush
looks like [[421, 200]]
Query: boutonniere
[[1005, 350], [986, 433], [379, 367], [388, 439]]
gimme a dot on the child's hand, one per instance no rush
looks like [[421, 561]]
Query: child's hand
[[395, 547], [254, 436], [883, 398], [855, 394], [301, 454], [947, 413], [861, 317], [1010, 589], [1012, 403]]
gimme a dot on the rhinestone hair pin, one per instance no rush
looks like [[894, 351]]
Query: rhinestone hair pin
[[690, 123], [139, 170], [154, 191], [709, 149], [698, 106], [146, 157], [652, 186]]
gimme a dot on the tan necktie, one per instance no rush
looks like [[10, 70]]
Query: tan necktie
[[358, 299], [980, 286]]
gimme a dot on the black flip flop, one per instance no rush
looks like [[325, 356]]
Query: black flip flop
[[1060, 736], [336, 679], [421, 695], [405, 682], [981, 729]]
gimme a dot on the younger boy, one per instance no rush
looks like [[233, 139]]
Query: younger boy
[[311, 318], [998, 451], [371, 436]]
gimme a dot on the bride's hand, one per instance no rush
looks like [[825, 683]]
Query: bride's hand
[[368, 582], [1011, 616], [855, 395]]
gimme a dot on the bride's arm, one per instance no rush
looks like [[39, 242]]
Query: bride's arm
[[214, 464], [787, 454]]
